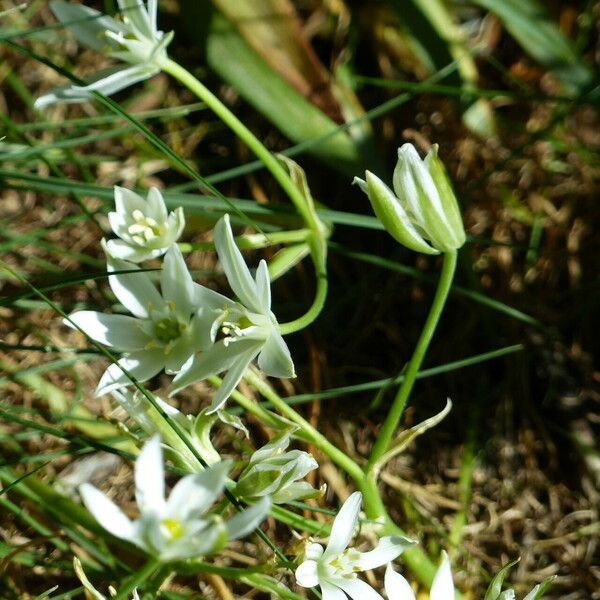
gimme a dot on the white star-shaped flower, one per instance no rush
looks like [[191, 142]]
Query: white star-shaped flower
[[166, 328], [135, 40], [242, 330], [144, 227], [179, 527], [335, 568]]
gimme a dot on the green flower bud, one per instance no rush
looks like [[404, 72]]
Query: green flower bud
[[422, 212], [276, 473]]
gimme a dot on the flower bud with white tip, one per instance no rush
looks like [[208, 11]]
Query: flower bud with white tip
[[276, 473], [421, 212]]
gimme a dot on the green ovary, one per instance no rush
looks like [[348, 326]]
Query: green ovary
[[167, 330], [172, 528]]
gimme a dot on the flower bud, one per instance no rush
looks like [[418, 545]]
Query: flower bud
[[422, 212], [276, 473]]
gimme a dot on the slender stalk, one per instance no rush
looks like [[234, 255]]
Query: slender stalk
[[316, 438], [254, 241], [279, 173], [395, 414], [281, 176], [137, 578], [313, 312]]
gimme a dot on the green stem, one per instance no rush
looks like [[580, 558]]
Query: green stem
[[393, 418], [279, 173], [137, 578], [316, 438], [268, 159], [254, 241], [313, 312]]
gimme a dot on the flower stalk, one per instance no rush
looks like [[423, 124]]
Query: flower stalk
[[295, 194], [395, 414], [138, 578]]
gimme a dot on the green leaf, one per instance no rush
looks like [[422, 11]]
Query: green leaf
[[274, 98], [405, 438], [495, 586]]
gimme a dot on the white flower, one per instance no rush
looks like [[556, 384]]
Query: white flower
[[242, 330], [135, 41], [166, 330], [145, 228], [177, 528], [335, 568], [91, 590], [423, 213], [442, 588]]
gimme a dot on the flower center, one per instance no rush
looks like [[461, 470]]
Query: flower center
[[168, 330], [144, 229], [234, 330], [171, 528], [345, 564]]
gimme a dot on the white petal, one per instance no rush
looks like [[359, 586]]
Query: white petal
[[156, 205], [86, 24], [106, 512], [344, 524], [389, 548], [357, 589], [234, 374], [332, 592], [201, 327], [117, 331], [126, 201], [142, 365], [119, 79], [195, 493], [209, 299], [275, 359], [238, 274], [150, 478], [135, 254], [176, 224], [176, 283], [263, 286], [313, 551], [416, 170], [135, 291], [307, 574], [215, 360], [180, 353], [134, 12], [152, 9], [442, 587], [396, 586], [249, 519], [106, 81]]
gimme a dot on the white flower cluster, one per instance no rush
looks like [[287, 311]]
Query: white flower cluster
[[185, 329], [192, 332]]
